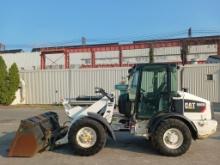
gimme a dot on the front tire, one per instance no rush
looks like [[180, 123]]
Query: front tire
[[172, 137], [87, 137]]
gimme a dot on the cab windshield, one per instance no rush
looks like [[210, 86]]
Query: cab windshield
[[133, 84]]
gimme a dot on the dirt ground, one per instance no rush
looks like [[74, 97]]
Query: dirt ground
[[127, 150]]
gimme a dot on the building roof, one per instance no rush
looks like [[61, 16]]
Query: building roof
[[216, 37], [72, 46], [11, 51], [177, 39]]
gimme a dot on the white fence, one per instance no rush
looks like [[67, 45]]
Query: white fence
[[49, 86], [203, 80]]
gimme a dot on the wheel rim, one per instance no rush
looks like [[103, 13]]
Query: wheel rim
[[86, 137], [173, 138]]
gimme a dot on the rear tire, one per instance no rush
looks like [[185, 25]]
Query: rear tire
[[87, 137], [172, 137]]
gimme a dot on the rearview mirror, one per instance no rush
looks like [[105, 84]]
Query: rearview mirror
[[185, 89]]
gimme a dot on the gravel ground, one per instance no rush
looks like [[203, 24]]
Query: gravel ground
[[127, 150]]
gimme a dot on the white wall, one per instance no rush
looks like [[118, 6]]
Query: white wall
[[26, 60]]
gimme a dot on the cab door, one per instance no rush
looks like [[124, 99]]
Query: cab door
[[153, 92]]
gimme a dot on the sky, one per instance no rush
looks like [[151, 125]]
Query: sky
[[33, 23]]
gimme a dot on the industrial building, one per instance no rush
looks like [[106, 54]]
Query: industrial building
[[114, 54]]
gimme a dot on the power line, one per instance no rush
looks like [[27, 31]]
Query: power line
[[121, 39]]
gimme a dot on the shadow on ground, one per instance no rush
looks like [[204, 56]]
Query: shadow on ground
[[215, 137], [5, 141], [125, 142]]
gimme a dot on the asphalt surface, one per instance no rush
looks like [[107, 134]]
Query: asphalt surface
[[127, 150]]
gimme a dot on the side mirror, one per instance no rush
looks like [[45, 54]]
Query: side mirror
[[97, 90], [185, 89]]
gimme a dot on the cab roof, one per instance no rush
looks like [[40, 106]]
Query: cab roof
[[162, 65]]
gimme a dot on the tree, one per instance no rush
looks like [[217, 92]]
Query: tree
[[9, 82], [151, 55], [3, 77], [12, 83], [184, 52]]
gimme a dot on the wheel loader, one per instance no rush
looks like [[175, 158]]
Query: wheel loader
[[150, 106]]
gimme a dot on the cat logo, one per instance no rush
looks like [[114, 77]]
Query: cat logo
[[190, 105]]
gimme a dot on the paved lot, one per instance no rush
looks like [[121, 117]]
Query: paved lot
[[127, 150]]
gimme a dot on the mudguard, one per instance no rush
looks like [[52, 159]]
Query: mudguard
[[154, 122], [104, 122]]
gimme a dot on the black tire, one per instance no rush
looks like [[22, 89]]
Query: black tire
[[159, 144], [124, 105], [100, 133]]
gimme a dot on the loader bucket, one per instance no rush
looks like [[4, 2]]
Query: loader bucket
[[34, 135]]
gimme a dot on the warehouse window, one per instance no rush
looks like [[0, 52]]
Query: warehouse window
[[209, 77]]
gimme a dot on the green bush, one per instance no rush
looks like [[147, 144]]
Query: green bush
[[9, 82], [12, 83], [3, 82]]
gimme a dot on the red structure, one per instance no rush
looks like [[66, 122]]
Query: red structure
[[120, 47]]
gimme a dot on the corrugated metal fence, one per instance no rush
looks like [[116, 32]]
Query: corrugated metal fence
[[49, 86], [203, 80]]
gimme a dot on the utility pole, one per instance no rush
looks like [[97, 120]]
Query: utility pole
[[184, 52], [184, 48], [83, 40], [190, 32]]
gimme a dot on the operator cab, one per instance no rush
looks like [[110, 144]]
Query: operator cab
[[150, 89]]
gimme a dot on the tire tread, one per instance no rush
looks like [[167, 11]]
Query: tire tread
[[157, 137], [101, 137]]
